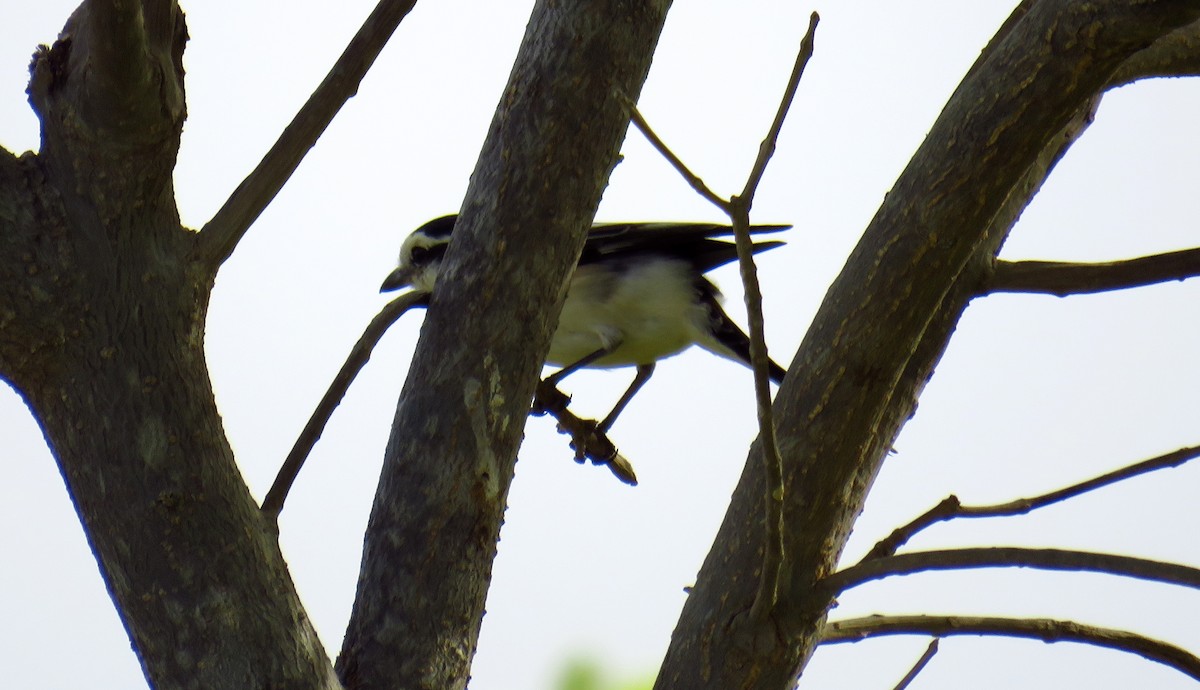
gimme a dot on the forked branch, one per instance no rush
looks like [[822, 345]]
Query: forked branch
[[738, 209], [950, 507], [1046, 630]]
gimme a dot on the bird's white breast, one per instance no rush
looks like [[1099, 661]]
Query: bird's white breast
[[647, 309]]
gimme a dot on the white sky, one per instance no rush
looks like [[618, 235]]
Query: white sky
[[1034, 393]]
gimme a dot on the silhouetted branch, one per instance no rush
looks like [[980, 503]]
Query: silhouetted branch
[[739, 212], [359, 355], [738, 209], [676, 162], [1065, 278], [909, 677], [221, 234], [767, 148], [1046, 630], [950, 507], [1176, 54], [1012, 557], [588, 442]]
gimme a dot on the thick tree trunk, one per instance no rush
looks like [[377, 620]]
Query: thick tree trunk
[[886, 321], [102, 309], [432, 534]]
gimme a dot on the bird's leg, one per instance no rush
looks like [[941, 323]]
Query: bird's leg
[[644, 372], [566, 371], [548, 397]]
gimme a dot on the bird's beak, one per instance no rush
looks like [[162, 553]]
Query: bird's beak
[[397, 279]]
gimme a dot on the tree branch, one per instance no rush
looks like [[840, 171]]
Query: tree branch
[[909, 677], [950, 507], [220, 235], [359, 355], [1063, 278], [1046, 630], [665, 151], [128, 53], [738, 210], [588, 442], [774, 554], [1012, 557], [431, 537], [1176, 54], [885, 320]]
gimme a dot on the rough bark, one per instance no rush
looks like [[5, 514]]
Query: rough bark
[[432, 533], [101, 327], [886, 321]]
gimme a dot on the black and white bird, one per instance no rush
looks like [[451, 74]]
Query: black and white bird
[[638, 295]]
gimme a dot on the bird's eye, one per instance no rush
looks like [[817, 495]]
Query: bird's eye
[[419, 255]]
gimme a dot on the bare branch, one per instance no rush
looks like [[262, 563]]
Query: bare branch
[[129, 54], [1175, 55], [221, 234], [1064, 278], [1012, 557], [692, 178], [1046, 630], [767, 148], [909, 677], [588, 442], [950, 507], [432, 535], [884, 323], [359, 355], [774, 557], [738, 209]]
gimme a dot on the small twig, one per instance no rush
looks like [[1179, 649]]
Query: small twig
[[359, 355], [659, 145], [738, 210], [950, 507], [221, 234], [909, 677], [1046, 630], [773, 551], [1066, 278], [1012, 557], [588, 442], [767, 148]]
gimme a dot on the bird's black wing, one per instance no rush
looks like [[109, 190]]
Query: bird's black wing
[[692, 242]]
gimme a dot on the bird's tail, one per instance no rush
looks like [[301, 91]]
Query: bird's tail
[[728, 340]]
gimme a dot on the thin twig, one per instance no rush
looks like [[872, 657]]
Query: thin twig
[[773, 551], [950, 507], [588, 442], [1046, 630], [659, 145], [767, 148], [221, 234], [909, 677], [359, 355], [739, 212], [1012, 557], [1065, 278]]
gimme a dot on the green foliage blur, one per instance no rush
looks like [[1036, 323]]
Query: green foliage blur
[[587, 674]]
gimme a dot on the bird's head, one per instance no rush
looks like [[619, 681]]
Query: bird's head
[[421, 257]]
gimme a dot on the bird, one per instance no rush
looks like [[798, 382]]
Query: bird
[[638, 295]]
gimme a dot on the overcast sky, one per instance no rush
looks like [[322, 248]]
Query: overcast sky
[[1034, 393]]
